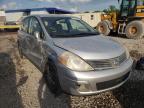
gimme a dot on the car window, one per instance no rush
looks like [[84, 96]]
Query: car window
[[34, 26], [67, 27], [25, 25], [77, 25], [62, 23]]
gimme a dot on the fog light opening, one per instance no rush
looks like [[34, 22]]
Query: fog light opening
[[83, 87]]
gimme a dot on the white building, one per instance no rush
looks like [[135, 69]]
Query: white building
[[91, 18], [39, 11], [14, 17], [2, 17]]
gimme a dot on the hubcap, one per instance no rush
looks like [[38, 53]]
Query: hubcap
[[101, 28], [132, 30]]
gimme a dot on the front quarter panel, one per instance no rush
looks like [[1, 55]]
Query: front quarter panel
[[48, 54]]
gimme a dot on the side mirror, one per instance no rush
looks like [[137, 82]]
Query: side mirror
[[37, 35]]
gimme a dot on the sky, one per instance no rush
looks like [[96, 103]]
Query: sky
[[71, 5]]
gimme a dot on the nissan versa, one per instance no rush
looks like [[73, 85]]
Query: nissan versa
[[74, 57]]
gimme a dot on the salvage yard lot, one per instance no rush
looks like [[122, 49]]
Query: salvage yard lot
[[22, 85]]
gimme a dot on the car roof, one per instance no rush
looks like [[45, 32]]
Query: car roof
[[51, 15]]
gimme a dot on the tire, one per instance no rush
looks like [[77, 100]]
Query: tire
[[135, 30], [52, 80], [103, 28]]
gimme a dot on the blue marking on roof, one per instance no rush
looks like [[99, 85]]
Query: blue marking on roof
[[51, 10]]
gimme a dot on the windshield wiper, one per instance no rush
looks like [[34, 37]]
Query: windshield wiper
[[79, 34], [72, 35]]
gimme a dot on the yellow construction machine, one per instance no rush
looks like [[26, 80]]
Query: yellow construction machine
[[5, 25], [128, 21]]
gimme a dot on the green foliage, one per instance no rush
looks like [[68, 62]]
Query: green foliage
[[1, 9], [111, 8], [96, 11], [86, 12]]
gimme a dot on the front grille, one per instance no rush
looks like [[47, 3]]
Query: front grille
[[109, 63], [122, 58], [111, 83], [103, 64]]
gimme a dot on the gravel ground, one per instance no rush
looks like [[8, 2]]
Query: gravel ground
[[22, 85]]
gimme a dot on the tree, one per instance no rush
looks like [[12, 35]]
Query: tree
[[105, 10], [1, 9], [86, 12], [96, 11], [111, 8]]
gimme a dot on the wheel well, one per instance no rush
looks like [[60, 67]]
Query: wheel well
[[49, 60], [135, 19], [142, 21]]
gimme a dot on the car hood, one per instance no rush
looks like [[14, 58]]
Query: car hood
[[91, 48]]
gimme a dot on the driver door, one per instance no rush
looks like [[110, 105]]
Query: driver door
[[35, 31]]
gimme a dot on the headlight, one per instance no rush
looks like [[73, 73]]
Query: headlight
[[74, 62]]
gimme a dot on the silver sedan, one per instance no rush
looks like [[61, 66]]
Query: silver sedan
[[73, 56]]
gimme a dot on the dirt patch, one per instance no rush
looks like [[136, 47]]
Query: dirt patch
[[135, 54]]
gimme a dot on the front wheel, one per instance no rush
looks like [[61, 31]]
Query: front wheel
[[135, 30], [52, 80], [103, 28]]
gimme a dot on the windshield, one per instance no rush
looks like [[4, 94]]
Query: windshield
[[140, 2], [127, 8], [67, 27]]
